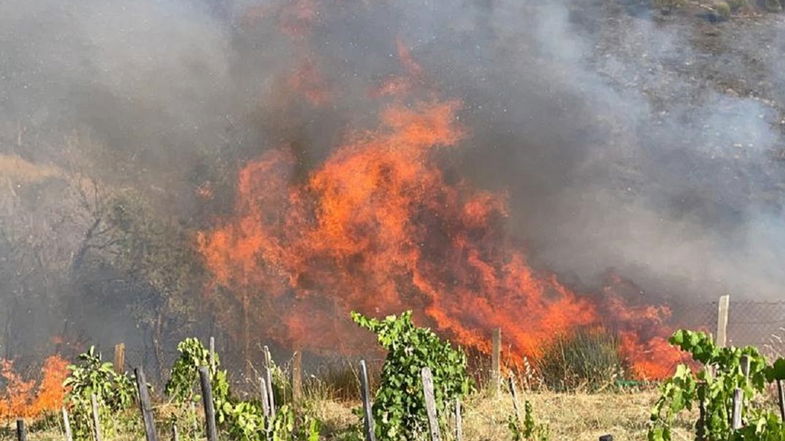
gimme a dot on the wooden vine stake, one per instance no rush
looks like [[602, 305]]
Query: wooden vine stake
[[119, 358], [496, 361], [265, 399], [722, 321], [515, 404], [207, 401], [458, 421], [67, 425], [144, 405], [21, 432], [96, 419], [781, 395], [297, 378], [366, 397], [211, 355], [738, 396], [175, 435], [430, 404], [268, 369]]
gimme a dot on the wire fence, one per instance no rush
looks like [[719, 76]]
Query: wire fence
[[754, 323]]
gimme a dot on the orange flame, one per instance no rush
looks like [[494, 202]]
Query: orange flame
[[378, 228], [23, 399]]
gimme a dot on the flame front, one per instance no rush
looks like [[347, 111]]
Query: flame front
[[378, 228]]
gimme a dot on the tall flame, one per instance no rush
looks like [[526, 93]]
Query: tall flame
[[379, 228]]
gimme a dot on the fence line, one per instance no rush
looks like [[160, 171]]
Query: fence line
[[749, 322]]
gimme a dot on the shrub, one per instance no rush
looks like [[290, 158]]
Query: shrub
[[528, 429], [723, 10], [241, 420], [114, 393], [773, 5], [399, 406], [584, 359], [735, 5], [184, 378], [714, 386], [667, 5]]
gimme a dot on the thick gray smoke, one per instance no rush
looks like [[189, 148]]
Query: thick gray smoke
[[625, 142], [628, 144]]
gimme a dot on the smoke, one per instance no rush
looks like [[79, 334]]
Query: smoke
[[622, 141], [682, 192], [620, 150]]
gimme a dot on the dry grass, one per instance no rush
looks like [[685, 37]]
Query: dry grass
[[571, 416]]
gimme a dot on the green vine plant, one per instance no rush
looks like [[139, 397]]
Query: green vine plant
[[710, 389], [240, 420], [528, 429], [399, 406], [114, 393], [183, 382]]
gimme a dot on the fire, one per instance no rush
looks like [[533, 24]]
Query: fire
[[23, 398], [378, 228]]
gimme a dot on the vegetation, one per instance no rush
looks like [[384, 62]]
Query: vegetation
[[736, 5], [526, 428], [668, 5], [182, 382], [114, 392], [723, 10], [712, 389], [586, 359], [241, 420], [695, 403], [773, 5], [399, 405]]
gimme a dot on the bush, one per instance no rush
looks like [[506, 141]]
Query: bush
[[241, 420], [184, 380], [714, 385], [773, 5], [723, 10], [528, 429], [114, 393], [735, 5], [584, 359], [399, 405], [667, 5]]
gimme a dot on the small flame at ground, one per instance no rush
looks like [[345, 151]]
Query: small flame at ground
[[26, 399]]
